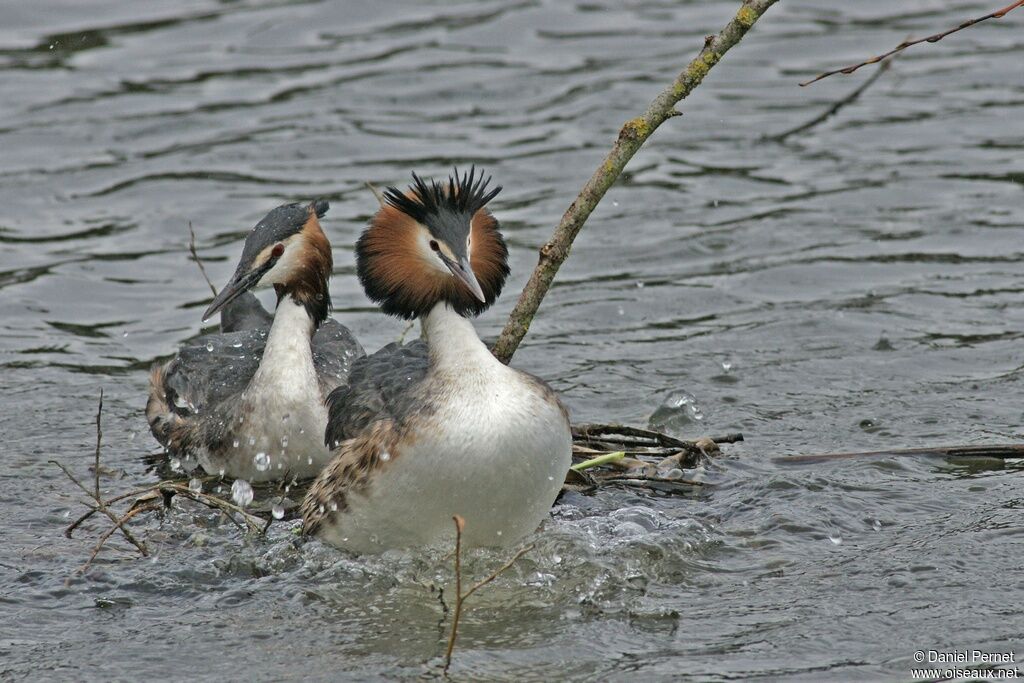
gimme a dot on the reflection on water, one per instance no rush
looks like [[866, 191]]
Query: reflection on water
[[856, 286]]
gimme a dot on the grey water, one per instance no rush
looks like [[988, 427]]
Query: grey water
[[856, 287]]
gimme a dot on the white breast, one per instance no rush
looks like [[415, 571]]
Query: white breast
[[282, 411], [495, 452]]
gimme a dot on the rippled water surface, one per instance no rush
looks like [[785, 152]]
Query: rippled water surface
[[861, 282]]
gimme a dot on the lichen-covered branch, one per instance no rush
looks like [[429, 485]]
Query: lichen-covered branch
[[998, 14], [632, 136]]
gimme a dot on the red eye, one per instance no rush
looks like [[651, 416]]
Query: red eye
[[277, 251]]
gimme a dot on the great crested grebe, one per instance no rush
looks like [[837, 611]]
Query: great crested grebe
[[249, 403], [423, 432]]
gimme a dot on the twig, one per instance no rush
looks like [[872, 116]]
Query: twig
[[998, 451], [110, 532], [460, 523], [632, 136], [93, 510], [834, 109], [998, 14], [102, 507], [376, 193], [99, 440], [461, 597], [195, 255], [613, 432], [254, 523]]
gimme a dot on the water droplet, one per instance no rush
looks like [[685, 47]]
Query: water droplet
[[551, 478], [726, 365], [499, 533], [277, 511], [241, 492], [622, 311], [252, 440], [195, 485], [640, 285], [876, 525], [175, 465], [125, 333], [614, 203], [334, 506], [309, 460], [220, 471], [284, 441], [262, 461], [209, 346], [385, 456], [235, 443], [835, 538], [678, 411], [237, 346]]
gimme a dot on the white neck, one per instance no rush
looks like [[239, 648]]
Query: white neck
[[453, 341], [288, 349]]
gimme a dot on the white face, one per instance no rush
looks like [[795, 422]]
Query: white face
[[429, 254], [287, 263]]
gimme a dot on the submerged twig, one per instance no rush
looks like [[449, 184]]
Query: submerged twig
[[195, 256], [460, 597], [996, 451], [835, 107], [632, 136], [998, 14]]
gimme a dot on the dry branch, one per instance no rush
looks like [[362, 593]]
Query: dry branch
[[834, 109], [632, 136], [461, 597], [998, 14]]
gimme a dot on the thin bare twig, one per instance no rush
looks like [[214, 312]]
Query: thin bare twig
[[99, 440], [102, 507], [460, 597], [376, 193], [852, 97], [93, 510], [195, 256], [460, 523], [998, 14], [632, 136], [110, 532]]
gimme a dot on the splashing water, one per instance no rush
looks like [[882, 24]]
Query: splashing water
[[677, 412], [262, 461], [241, 492]]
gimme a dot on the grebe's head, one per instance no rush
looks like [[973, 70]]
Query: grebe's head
[[289, 250], [435, 242]]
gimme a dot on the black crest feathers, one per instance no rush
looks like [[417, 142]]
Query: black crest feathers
[[464, 194]]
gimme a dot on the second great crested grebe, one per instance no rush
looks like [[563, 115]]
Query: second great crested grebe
[[423, 432], [249, 403]]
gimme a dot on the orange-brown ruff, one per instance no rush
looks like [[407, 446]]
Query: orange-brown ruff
[[394, 270], [425, 431]]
